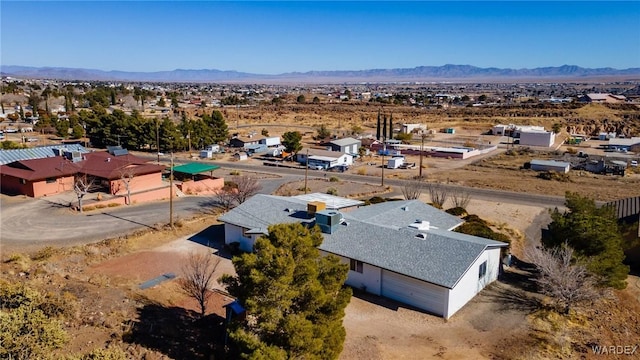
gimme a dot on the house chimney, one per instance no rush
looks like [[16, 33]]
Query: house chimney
[[108, 159]]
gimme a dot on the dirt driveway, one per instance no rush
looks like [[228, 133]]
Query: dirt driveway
[[379, 328]]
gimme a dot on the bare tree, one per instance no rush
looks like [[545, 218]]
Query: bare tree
[[247, 187], [198, 273], [565, 282], [438, 194], [413, 189], [226, 197], [82, 185], [460, 198], [127, 174]]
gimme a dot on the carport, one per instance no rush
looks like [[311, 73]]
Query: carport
[[192, 170]]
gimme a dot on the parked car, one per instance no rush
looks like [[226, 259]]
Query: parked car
[[634, 163]]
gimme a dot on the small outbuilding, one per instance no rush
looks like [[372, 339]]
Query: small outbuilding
[[550, 165]]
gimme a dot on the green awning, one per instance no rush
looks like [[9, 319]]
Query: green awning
[[194, 168]]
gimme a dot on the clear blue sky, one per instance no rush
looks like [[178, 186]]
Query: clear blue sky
[[275, 37]]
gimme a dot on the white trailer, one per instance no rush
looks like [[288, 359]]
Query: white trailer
[[395, 162]]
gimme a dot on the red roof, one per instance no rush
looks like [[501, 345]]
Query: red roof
[[99, 164], [40, 169], [107, 166]]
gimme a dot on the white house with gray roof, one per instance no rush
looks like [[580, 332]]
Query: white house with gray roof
[[402, 250]]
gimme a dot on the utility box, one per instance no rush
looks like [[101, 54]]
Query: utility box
[[328, 220], [314, 206], [395, 162]]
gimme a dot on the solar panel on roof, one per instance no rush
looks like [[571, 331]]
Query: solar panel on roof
[[120, 152]]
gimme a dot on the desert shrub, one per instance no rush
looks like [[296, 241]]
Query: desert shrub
[[302, 188], [457, 211], [553, 175], [43, 254], [476, 226], [234, 172], [572, 151], [113, 353], [14, 295], [334, 179], [27, 333], [230, 184], [332, 191], [375, 200], [113, 205], [101, 206], [14, 258], [362, 171], [89, 208]]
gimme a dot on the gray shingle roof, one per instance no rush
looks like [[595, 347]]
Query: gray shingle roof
[[379, 235], [40, 152], [402, 213], [442, 258], [260, 211]]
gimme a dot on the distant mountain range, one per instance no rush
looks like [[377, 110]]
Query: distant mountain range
[[420, 73]]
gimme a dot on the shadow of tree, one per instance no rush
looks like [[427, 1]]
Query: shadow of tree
[[177, 332], [516, 288]]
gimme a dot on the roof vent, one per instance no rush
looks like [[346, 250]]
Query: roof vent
[[405, 208], [108, 159], [420, 225], [422, 236]]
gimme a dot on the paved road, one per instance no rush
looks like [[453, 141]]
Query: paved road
[[26, 223]]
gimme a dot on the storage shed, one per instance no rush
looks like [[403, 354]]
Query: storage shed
[[550, 165]]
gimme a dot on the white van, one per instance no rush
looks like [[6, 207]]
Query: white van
[[634, 163]]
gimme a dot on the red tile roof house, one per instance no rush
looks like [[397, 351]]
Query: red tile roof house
[[109, 172], [38, 177]]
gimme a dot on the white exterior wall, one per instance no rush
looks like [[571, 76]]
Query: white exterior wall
[[499, 129], [414, 292], [233, 233], [352, 149], [545, 139], [469, 286], [271, 141], [557, 168], [369, 280]]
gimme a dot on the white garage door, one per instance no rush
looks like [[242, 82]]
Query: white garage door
[[413, 292]]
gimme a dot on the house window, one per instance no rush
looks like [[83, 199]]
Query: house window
[[51, 180], [483, 270], [23, 181], [356, 266]]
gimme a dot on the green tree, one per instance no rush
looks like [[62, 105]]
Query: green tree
[[295, 297], [161, 102], [219, 128], [557, 127], [323, 132], [378, 127], [264, 132], [301, 99], [316, 100], [594, 235], [291, 140], [29, 327]]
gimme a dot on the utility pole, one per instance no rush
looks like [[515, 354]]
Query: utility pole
[[384, 150], [306, 171], [189, 138], [171, 193], [421, 150], [158, 139]]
